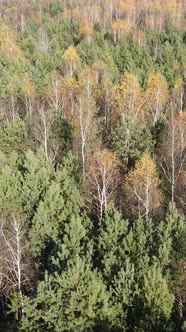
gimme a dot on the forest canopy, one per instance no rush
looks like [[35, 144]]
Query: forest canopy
[[92, 165]]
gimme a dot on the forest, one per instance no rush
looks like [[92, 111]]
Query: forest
[[92, 165]]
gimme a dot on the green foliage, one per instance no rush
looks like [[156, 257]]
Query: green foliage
[[130, 57], [129, 141], [173, 54], [13, 136], [10, 181], [85, 273], [157, 132], [12, 72], [58, 223], [74, 301], [134, 263], [111, 243], [97, 50], [158, 301], [37, 174], [55, 8]]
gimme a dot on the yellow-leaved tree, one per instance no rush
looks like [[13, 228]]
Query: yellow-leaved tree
[[128, 98], [53, 91], [102, 179], [71, 61], [8, 43], [142, 189], [86, 31], [70, 92], [157, 96], [120, 28], [28, 93], [85, 127]]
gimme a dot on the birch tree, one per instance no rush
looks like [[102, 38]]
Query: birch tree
[[128, 98], [28, 94], [102, 179], [142, 188], [156, 96], [85, 128], [53, 91], [71, 61], [14, 272], [172, 153], [44, 124]]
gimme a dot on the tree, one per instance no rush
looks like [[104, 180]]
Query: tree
[[86, 31], [178, 94], [110, 247], [85, 129], [8, 43], [44, 126], [70, 92], [37, 175], [72, 294], [43, 41], [157, 300], [13, 136], [57, 216], [128, 98], [130, 140], [102, 179], [119, 28], [15, 268], [172, 152], [75, 300], [28, 93], [104, 97], [142, 189], [10, 182], [53, 93], [12, 102], [71, 60], [129, 135], [157, 96]]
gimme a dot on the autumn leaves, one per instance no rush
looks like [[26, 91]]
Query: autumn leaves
[[126, 129], [157, 168]]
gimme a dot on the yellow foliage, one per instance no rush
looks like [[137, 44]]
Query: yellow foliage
[[70, 82], [127, 6], [27, 87], [8, 42], [157, 84], [71, 60], [90, 76], [145, 170], [103, 161], [172, 6], [182, 116], [121, 26], [127, 97], [70, 54], [70, 90], [102, 178], [85, 30], [178, 84], [142, 187], [157, 95], [156, 14]]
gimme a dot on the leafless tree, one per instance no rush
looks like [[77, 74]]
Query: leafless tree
[[44, 122], [102, 179], [84, 126], [172, 156], [14, 269]]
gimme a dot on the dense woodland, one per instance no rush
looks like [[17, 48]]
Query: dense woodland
[[92, 165]]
